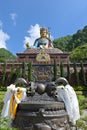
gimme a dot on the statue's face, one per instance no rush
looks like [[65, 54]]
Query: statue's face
[[43, 33]]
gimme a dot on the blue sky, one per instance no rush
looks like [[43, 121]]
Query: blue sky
[[20, 20]]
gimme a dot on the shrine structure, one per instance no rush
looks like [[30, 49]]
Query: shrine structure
[[42, 55], [31, 54]]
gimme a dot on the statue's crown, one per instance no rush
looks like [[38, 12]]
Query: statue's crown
[[43, 29]]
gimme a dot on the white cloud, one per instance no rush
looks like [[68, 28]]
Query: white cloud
[[3, 38], [1, 24], [13, 17], [33, 33]]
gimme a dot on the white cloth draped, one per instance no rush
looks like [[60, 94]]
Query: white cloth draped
[[10, 90], [68, 95]]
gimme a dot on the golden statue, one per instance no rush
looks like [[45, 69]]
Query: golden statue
[[44, 41]]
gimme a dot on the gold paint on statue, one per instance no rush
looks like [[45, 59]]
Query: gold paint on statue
[[42, 77], [43, 56]]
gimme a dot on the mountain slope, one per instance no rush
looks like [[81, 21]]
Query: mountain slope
[[79, 53], [69, 43], [5, 54]]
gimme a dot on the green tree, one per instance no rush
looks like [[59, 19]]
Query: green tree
[[5, 54], [17, 72], [76, 74], [23, 70], [79, 54], [69, 43], [4, 74], [55, 70], [61, 69], [78, 39], [62, 42], [68, 73], [30, 71], [82, 72], [11, 75]]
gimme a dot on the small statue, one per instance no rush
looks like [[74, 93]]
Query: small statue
[[44, 41], [27, 45]]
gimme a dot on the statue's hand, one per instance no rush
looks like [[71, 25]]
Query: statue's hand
[[42, 46]]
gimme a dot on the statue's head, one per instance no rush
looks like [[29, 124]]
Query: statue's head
[[43, 32]]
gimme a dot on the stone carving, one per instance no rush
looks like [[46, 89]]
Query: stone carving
[[43, 73]]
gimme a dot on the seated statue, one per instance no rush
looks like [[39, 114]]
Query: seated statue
[[43, 41]]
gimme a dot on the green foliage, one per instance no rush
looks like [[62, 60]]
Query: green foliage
[[4, 124], [80, 88], [76, 74], [82, 74], [78, 39], [30, 71], [2, 93], [17, 72], [80, 53], [81, 99], [81, 124], [11, 74], [4, 121], [55, 70], [61, 70], [76, 44], [68, 73], [3, 74], [2, 60], [5, 55], [62, 43], [23, 70]]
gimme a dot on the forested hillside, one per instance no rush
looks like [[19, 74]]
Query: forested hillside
[[75, 44], [69, 43], [79, 53], [5, 55]]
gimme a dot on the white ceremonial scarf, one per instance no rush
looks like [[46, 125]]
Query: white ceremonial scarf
[[68, 95], [10, 90]]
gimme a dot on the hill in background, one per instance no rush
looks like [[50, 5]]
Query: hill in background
[[6, 55], [76, 44], [70, 42]]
